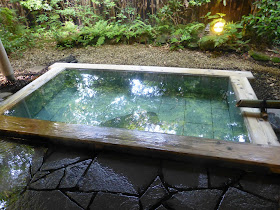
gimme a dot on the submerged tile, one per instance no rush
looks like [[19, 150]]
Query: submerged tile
[[198, 130]]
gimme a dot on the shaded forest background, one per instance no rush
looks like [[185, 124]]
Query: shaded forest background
[[234, 9], [176, 23]]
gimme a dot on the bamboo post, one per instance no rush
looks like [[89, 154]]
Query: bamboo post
[[273, 104], [5, 65]]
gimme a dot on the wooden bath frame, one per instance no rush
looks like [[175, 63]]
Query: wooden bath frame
[[263, 151]]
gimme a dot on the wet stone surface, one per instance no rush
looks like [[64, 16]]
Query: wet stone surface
[[124, 174], [237, 199], [264, 186], [49, 182], [184, 176], [195, 199], [154, 194], [45, 200], [83, 199], [219, 177], [72, 179], [73, 174], [59, 159], [114, 202]]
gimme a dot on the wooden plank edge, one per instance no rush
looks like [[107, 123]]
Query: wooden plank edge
[[260, 130], [239, 153], [191, 71], [31, 87]]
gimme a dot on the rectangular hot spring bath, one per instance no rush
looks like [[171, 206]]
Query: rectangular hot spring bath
[[139, 107]]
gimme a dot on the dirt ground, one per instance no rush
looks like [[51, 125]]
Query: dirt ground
[[266, 84]]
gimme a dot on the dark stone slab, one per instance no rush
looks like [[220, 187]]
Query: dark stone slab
[[237, 199], [195, 199], [62, 158], [73, 174], [220, 177], [119, 173], [39, 175], [115, 202], [184, 176], [45, 200], [48, 182], [161, 207], [266, 186], [154, 194], [83, 199], [37, 159], [172, 190]]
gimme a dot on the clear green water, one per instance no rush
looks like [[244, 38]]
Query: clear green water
[[165, 103]]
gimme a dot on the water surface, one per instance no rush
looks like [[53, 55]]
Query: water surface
[[166, 103]]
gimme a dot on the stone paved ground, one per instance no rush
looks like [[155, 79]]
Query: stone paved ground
[[71, 179]]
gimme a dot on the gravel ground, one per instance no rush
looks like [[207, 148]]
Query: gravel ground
[[266, 85]]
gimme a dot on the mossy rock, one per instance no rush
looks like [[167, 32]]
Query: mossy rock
[[259, 56], [275, 60]]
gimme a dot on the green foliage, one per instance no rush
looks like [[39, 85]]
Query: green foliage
[[264, 26], [230, 39], [13, 34], [275, 59], [173, 12], [198, 2], [70, 24], [186, 35], [259, 56]]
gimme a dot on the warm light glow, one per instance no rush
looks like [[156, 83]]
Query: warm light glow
[[219, 27]]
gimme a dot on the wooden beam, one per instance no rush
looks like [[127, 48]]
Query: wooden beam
[[102, 137], [5, 64], [260, 130], [28, 89], [157, 69]]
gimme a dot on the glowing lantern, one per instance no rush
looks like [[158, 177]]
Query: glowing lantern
[[218, 27]]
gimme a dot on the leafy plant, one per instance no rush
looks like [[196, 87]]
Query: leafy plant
[[264, 25], [14, 35], [186, 36], [173, 12], [230, 38]]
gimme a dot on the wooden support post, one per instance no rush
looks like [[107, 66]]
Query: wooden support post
[[5, 65]]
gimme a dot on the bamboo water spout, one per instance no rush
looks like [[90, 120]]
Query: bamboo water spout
[[273, 104], [5, 65], [263, 105]]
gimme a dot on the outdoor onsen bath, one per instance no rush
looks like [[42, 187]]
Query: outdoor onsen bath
[[161, 109]]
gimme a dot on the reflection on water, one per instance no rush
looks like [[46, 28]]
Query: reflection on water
[[15, 160], [166, 103]]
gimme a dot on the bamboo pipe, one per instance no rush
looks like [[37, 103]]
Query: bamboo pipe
[[273, 104], [5, 65]]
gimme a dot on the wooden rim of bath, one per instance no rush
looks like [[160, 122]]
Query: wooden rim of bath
[[263, 151]]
